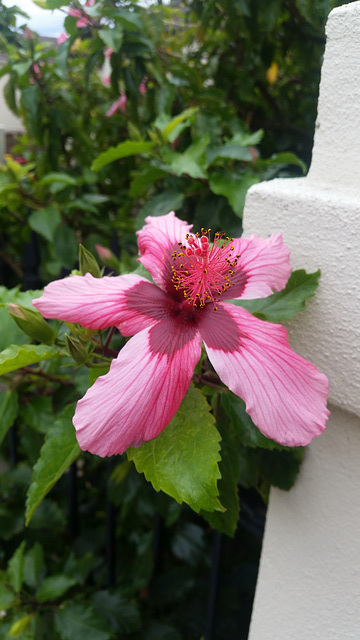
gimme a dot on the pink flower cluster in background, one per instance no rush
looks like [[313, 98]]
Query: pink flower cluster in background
[[170, 318]]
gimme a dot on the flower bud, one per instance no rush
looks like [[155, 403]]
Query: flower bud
[[76, 349], [87, 263], [107, 257], [32, 323]]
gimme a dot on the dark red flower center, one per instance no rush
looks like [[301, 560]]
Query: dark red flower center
[[202, 270]]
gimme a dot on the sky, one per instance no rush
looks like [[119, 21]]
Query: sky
[[45, 23]]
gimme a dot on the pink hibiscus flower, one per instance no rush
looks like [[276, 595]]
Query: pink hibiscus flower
[[169, 319]]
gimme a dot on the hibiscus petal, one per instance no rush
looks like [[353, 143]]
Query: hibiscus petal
[[157, 240], [97, 303], [141, 393], [285, 395], [263, 266]]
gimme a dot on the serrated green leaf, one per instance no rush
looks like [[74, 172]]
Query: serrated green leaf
[[58, 452], [17, 356], [183, 460], [77, 620], [123, 150], [15, 568], [122, 616], [233, 186], [45, 222], [54, 587], [283, 305], [9, 407]]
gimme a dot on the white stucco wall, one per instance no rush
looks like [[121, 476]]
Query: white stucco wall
[[309, 579]]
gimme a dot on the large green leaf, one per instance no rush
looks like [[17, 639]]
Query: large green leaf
[[122, 616], [112, 37], [229, 151], [58, 452], [77, 620], [183, 460], [282, 306], [17, 356], [9, 407], [171, 127], [233, 186], [45, 222], [54, 587], [123, 150]]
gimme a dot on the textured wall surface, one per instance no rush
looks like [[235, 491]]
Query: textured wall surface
[[309, 578]]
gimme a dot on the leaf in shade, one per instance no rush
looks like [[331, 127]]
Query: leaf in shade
[[233, 186], [77, 620]]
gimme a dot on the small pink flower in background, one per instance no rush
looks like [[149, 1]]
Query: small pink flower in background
[[62, 38], [106, 81], [108, 52], [28, 34], [142, 88], [75, 13], [284, 394], [119, 104], [90, 3]]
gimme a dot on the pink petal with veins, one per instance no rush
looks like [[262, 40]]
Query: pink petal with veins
[[156, 241], [139, 396], [263, 266], [285, 395]]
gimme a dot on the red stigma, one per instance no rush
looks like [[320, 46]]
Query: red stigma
[[203, 271]]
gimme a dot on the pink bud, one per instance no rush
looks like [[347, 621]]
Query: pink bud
[[142, 87], [108, 52], [83, 22], [62, 37], [106, 81], [75, 13], [103, 252]]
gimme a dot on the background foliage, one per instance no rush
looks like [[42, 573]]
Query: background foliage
[[138, 111]]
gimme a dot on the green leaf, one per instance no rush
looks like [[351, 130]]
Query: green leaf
[[9, 407], [229, 151], [145, 178], [283, 305], [58, 181], [17, 356], [276, 468], [167, 125], [38, 413], [228, 484], [112, 37], [192, 161], [183, 460], [233, 186], [54, 587], [7, 595], [77, 620], [160, 205], [45, 222], [15, 569], [247, 433], [122, 616], [58, 452], [34, 565], [123, 150]]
